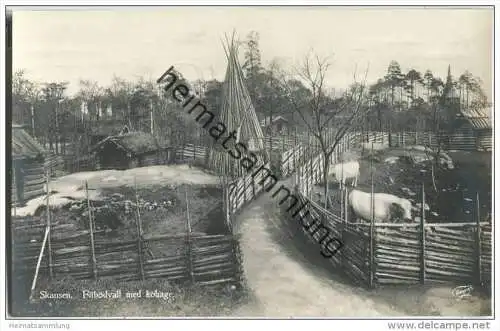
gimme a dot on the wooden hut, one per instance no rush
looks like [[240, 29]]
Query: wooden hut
[[105, 128], [238, 114], [130, 150], [473, 130], [276, 124], [28, 173]]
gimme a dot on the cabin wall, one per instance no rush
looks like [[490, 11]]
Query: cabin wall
[[112, 157], [34, 178], [463, 138], [149, 159], [484, 139], [28, 179]]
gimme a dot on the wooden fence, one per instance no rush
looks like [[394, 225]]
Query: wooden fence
[[190, 153], [353, 256], [311, 171], [89, 254], [245, 189], [291, 159], [431, 253], [461, 139], [379, 253]]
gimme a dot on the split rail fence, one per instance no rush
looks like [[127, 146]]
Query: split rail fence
[[371, 253], [61, 250], [382, 253], [242, 191]]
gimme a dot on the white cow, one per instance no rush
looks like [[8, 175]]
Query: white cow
[[388, 207], [342, 171]]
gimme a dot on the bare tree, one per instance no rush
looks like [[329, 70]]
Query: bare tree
[[25, 92], [441, 116], [122, 91], [328, 122], [91, 93]]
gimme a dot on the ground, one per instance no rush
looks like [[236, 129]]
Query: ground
[[162, 195], [177, 301], [285, 277], [455, 197], [73, 186]]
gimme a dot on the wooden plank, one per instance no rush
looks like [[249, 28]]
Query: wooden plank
[[91, 232], [422, 238]]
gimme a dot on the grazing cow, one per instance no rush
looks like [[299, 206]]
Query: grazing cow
[[343, 171], [388, 207]]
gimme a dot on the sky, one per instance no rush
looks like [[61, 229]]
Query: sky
[[95, 44]]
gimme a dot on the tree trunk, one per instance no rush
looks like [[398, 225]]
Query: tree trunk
[[326, 165], [129, 115]]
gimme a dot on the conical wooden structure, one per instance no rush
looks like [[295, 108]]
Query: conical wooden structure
[[237, 113]]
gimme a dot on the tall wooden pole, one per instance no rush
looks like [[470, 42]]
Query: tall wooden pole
[[478, 240], [91, 229], [342, 191], [49, 225], [422, 238], [35, 277], [189, 243], [372, 224], [151, 115], [139, 232], [33, 120]]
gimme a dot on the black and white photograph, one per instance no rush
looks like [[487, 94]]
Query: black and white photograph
[[250, 162]]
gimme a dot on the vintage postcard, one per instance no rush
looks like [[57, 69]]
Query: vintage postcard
[[262, 162]]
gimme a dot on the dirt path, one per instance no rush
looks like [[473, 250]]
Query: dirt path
[[284, 284], [288, 278]]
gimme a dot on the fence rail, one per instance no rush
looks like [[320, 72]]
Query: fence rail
[[400, 253], [212, 259]]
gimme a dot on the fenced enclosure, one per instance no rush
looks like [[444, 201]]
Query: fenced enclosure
[[386, 253], [44, 249], [372, 254], [285, 150]]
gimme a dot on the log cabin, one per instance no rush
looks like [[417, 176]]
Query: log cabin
[[28, 173]]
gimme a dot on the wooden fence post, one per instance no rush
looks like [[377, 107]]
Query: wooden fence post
[[372, 227], [244, 190], [282, 146], [295, 157], [253, 187], [91, 230], [422, 238], [49, 241], [189, 242], [139, 233], [308, 175], [37, 269], [478, 240]]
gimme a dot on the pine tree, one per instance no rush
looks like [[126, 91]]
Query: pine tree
[[252, 65]]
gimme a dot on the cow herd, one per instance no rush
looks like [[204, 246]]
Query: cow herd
[[386, 207]]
